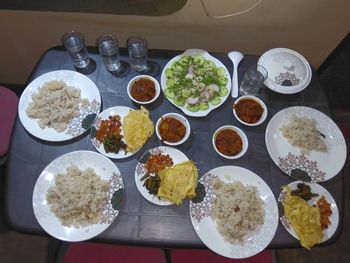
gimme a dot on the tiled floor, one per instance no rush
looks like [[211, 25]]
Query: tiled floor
[[335, 78], [16, 247]]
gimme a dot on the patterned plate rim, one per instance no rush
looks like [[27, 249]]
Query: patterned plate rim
[[140, 170], [335, 212], [77, 125], [111, 209], [200, 213], [298, 165]]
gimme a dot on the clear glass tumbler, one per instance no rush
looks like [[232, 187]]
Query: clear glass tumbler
[[253, 80], [74, 43], [109, 50], [138, 53]]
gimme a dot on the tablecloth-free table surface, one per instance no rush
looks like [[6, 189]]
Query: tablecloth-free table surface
[[141, 222]]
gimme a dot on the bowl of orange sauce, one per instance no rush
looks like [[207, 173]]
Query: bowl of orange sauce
[[173, 129], [250, 110], [143, 89], [230, 142]]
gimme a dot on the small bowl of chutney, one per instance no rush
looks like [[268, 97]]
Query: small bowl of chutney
[[250, 110], [230, 142], [143, 89], [173, 129]]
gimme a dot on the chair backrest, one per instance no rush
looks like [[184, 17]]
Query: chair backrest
[[8, 112]]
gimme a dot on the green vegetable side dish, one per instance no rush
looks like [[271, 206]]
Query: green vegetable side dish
[[195, 83]]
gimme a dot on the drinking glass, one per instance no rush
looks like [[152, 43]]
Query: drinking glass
[[137, 47], [109, 50], [253, 80], [74, 43]]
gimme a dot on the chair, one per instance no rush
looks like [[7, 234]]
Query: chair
[[207, 256], [89, 252], [8, 112]]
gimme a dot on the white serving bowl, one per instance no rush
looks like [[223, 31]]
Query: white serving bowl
[[180, 118], [240, 133], [156, 84], [285, 66], [263, 116]]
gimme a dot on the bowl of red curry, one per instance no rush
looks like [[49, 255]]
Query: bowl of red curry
[[230, 142], [173, 129], [143, 89], [250, 110]]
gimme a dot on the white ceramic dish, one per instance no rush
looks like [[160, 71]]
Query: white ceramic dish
[[180, 118], [122, 111], [263, 116], [206, 227], [103, 167], [177, 157], [79, 124], [206, 55], [133, 80], [318, 166], [317, 189], [288, 71], [240, 133]]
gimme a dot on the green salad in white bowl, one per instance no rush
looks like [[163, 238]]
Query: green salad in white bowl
[[196, 82]]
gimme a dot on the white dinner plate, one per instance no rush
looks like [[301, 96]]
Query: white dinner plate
[[315, 167], [177, 157], [79, 124], [104, 168], [205, 226], [288, 71], [317, 189], [122, 111], [206, 55]]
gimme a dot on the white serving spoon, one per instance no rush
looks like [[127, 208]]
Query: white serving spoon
[[235, 57]]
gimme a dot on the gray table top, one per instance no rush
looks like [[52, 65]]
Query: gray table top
[[141, 222]]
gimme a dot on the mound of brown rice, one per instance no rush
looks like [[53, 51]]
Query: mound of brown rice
[[302, 133], [55, 105], [237, 209], [78, 197]]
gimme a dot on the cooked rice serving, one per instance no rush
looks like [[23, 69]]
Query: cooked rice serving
[[78, 197], [237, 210], [302, 133], [55, 105]]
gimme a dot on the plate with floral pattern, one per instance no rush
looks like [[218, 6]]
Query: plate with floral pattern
[[320, 191], [104, 168], [141, 170], [206, 227], [120, 111], [76, 126], [315, 166]]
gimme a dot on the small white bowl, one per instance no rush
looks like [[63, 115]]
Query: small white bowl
[[263, 116], [180, 118], [240, 133], [156, 84]]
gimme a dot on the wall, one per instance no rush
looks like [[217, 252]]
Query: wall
[[312, 27]]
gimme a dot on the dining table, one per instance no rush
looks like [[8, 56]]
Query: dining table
[[139, 221]]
